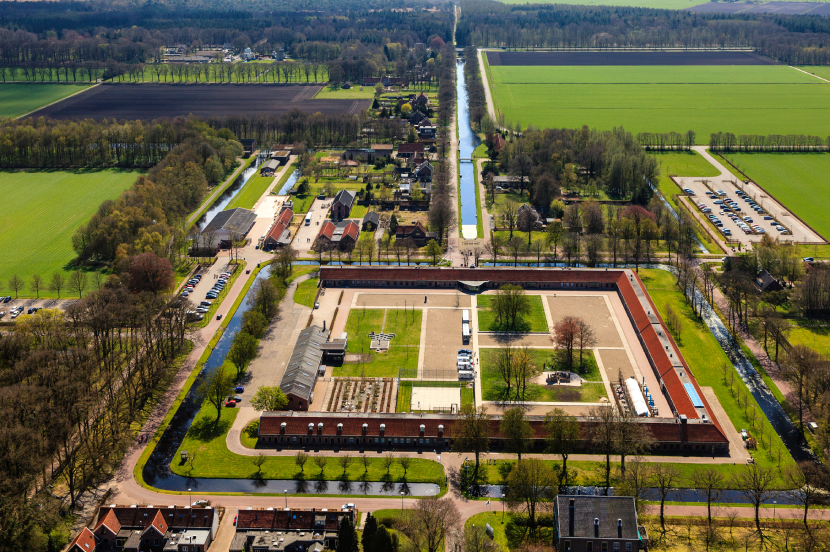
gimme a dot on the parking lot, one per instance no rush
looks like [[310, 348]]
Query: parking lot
[[730, 200]]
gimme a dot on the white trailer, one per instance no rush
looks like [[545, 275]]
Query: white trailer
[[638, 402], [465, 317], [465, 333], [466, 375]]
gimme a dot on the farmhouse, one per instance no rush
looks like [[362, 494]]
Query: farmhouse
[[766, 282], [689, 425], [342, 205], [416, 232], [301, 373], [231, 224], [507, 181], [288, 530], [343, 234], [582, 523], [382, 150], [280, 233], [423, 172], [84, 542]]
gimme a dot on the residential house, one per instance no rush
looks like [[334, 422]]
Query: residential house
[[423, 172], [269, 168], [292, 149], [427, 133], [526, 210], [766, 282], [498, 142], [248, 55], [231, 224], [288, 530], [343, 235], [416, 232], [419, 102], [416, 117], [342, 205], [303, 368], [507, 181], [597, 524], [370, 222], [280, 233], [84, 542], [407, 150]]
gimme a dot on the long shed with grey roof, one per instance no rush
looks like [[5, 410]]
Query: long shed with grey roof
[[597, 523], [237, 222], [301, 373]]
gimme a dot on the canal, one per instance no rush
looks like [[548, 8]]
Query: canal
[[467, 143]]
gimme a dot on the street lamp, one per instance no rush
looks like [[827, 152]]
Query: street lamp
[[774, 503], [502, 506], [190, 496], [401, 504], [286, 497]]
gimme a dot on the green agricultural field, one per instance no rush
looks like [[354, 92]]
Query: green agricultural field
[[19, 99], [403, 351], [656, 4], [798, 180], [819, 70], [771, 99], [250, 194], [353, 93], [43, 209]]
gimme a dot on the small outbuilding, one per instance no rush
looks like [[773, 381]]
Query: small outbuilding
[[370, 222]]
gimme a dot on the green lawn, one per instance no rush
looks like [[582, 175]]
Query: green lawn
[[306, 292], [43, 209], [769, 99], [251, 192], [354, 93], [21, 98], [493, 387], [798, 180], [206, 440], [405, 393], [657, 4], [706, 359], [822, 71], [810, 334], [535, 321], [684, 163], [403, 352]]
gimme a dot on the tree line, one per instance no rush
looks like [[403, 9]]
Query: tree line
[[789, 39], [46, 143], [71, 384], [726, 141], [145, 217]]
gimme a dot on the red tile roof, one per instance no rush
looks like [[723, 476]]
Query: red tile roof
[[85, 541], [279, 519], [283, 221], [110, 521], [415, 147], [141, 517], [158, 523]]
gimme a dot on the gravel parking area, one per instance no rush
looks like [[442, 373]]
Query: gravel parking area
[[591, 308], [615, 361], [441, 343], [451, 300]]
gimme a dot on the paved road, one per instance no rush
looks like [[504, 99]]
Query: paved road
[[488, 96]]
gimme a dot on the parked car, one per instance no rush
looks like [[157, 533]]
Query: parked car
[[239, 389], [218, 317], [230, 404], [808, 260]]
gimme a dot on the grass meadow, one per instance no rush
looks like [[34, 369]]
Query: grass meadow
[[21, 98], [655, 4], [43, 209], [798, 180], [772, 99], [403, 350], [534, 321]]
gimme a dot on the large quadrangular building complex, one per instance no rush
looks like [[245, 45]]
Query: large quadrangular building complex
[[688, 427]]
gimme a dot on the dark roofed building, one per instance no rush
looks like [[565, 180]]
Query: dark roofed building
[[342, 205], [269, 167], [248, 145], [301, 373], [155, 529], [288, 530], [237, 222], [407, 150], [765, 282], [370, 222], [597, 523]]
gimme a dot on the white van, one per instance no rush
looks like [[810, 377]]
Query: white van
[[308, 219], [466, 375], [465, 333], [465, 317]]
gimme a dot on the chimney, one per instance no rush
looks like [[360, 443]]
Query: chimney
[[596, 528], [570, 517], [619, 528]]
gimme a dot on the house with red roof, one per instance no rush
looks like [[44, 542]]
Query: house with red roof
[[84, 542], [280, 233], [408, 150], [341, 235]]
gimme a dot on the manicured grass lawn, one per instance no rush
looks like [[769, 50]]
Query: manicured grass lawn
[[798, 180], [43, 210], [535, 321], [405, 392], [354, 93], [403, 352], [706, 359], [20, 98], [810, 334], [510, 531], [213, 459], [493, 387], [744, 99], [250, 194], [684, 163], [306, 292], [820, 70]]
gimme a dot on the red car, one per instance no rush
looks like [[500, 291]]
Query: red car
[[230, 404]]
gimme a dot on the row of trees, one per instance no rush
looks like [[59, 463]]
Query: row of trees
[[726, 141], [218, 72], [789, 39], [145, 216], [71, 385]]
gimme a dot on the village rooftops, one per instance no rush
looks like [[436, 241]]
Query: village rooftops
[[238, 220]]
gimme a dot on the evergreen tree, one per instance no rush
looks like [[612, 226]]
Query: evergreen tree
[[347, 537], [370, 529], [384, 541], [393, 225]]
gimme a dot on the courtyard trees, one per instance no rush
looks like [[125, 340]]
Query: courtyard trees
[[517, 431], [531, 484], [431, 522], [562, 437], [571, 335], [214, 388], [471, 433], [269, 398], [509, 305]]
